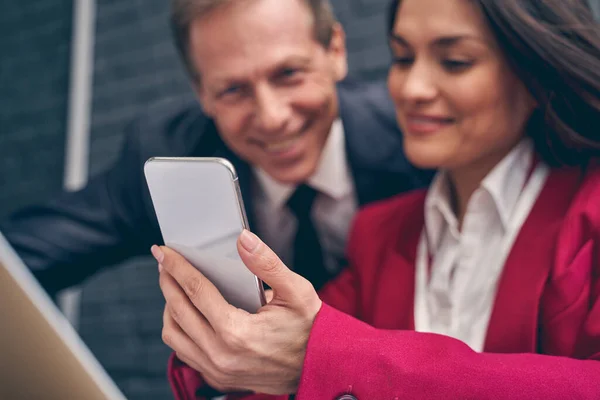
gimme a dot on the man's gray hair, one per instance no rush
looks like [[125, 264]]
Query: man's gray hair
[[184, 12]]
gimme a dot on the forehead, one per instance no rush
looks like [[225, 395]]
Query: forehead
[[427, 20], [246, 35]]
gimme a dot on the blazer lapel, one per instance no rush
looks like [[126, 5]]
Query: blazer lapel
[[394, 285], [513, 325]]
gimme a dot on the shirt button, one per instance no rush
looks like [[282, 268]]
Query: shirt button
[[346, 397]]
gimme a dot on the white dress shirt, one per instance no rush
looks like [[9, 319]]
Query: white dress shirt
[[458, 270], [332, 212]]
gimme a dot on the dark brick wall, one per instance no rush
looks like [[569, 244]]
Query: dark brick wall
[[135, 66], [596, 7], [35, 39], [365, 24]]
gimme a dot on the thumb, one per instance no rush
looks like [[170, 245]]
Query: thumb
[[265, 264]]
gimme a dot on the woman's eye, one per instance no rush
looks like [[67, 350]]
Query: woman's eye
[[456, 65], [403, 61]]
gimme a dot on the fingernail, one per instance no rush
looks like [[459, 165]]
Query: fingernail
[[157, 253], [249, 240]]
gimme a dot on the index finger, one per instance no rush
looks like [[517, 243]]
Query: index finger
[[202, 293]]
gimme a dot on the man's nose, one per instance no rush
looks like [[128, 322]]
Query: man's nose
[[272, 110]]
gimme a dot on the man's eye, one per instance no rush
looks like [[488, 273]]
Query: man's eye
[[231, 90], [288, 73], [456, 65], [288, 76]]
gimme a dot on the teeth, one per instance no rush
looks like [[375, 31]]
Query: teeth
[[281, 145]]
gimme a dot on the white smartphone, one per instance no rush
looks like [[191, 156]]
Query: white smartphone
[[201, 214]]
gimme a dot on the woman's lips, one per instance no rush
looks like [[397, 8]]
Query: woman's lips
[[425, 124]]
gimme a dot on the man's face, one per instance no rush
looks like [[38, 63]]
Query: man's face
[[268, 83]]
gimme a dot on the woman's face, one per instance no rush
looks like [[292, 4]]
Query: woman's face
[[457, 100]]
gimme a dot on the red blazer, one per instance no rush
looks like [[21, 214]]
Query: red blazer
[[543, 339]]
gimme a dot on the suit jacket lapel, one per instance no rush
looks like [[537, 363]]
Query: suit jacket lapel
[[514, 321]]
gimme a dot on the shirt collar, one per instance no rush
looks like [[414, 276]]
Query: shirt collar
[[332, 176], [438, 211], [504, 183]]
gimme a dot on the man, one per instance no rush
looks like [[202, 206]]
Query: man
[[265, 72]]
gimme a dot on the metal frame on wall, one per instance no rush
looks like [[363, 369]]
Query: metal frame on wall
[[78, 120]]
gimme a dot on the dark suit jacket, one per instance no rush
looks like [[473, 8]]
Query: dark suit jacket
[[70, 237]]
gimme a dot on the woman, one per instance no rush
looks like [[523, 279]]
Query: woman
[[497, 265]]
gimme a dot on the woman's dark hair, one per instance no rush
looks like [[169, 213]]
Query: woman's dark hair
[[554, 48]]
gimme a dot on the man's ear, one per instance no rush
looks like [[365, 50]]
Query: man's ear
[[337, 52]]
